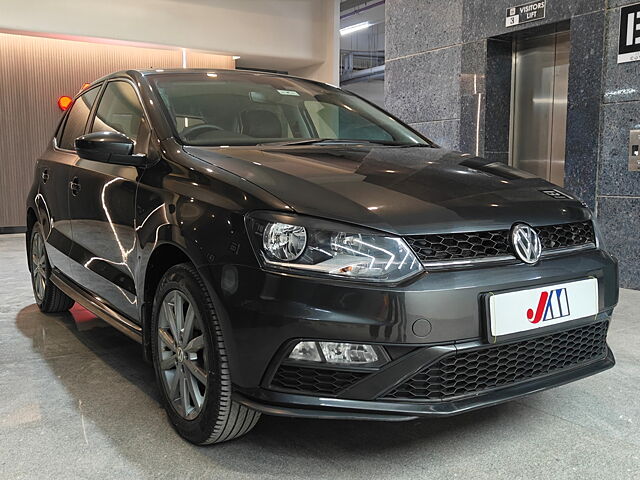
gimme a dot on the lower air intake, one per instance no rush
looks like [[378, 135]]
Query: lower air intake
[[473, 371], [314, 380]]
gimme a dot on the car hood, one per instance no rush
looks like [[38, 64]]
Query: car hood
[[398, 190]]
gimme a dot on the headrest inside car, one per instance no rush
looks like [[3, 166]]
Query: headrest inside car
[[261, 124]]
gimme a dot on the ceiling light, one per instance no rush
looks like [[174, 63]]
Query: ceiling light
[[236, 57], [354, 28]]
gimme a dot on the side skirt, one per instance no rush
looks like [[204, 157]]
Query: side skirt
[[96, 307]]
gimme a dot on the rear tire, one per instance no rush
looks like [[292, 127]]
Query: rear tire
[[49, 298], [190, 361]]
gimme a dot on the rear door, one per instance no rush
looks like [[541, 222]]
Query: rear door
[[54, 170], [104, 252]]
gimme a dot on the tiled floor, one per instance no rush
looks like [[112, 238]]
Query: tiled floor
[[76, 401]]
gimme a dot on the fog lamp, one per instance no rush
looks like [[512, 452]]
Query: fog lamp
[[339, 353], [306, 351]]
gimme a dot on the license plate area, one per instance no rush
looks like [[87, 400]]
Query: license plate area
[[540, 307]]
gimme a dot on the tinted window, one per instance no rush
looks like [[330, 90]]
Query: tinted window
[[119, 111], [220, 108], [77, 119]]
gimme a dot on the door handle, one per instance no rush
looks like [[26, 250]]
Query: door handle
[[74, 185], [45, 175]]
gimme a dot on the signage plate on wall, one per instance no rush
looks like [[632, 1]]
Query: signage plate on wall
[[629, 46], [634, 150], [528, 12]]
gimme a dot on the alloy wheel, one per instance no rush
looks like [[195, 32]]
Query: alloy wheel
[[38, 266], [182, 354]]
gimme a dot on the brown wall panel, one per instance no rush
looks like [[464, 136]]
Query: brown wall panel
[[209, 60], [34, 72]]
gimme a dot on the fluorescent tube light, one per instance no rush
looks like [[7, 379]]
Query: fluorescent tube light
[[354, 28]]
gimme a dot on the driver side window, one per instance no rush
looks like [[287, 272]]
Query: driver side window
[[77, 119], [119, 111]]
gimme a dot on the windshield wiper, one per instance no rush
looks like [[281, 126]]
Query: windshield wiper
[[333, 141], [306, 141], [410, 145]]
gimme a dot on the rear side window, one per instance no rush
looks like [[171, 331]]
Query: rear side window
[[119, 111], [77, 119]]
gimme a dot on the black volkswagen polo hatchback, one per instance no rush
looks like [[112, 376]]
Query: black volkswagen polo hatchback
[[281, 246]]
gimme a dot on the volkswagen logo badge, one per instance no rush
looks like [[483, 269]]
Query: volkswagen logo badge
[[526, 243]]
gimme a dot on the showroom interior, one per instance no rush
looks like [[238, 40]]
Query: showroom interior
[[550, 87]]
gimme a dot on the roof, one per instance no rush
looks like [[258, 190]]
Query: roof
[[173, 71]]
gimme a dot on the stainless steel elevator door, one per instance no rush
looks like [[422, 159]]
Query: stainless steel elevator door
[[539, 105]]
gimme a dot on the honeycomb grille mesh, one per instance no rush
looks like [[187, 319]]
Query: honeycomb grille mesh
[[314, 380], [453, 246], [490, 367], [474, 245], [568, 235]]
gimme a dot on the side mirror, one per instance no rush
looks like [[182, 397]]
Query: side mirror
[[109, 147]]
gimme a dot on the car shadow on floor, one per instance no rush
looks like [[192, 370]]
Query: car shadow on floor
[[103, 370]]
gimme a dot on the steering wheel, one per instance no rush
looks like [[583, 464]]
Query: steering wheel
[[193, 132]]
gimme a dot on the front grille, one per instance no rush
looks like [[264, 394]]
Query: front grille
[[314, 380], [567, 235], [471, 372], [435, 248], [454, 246]]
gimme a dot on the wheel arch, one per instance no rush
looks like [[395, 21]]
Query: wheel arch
[[162, 258]]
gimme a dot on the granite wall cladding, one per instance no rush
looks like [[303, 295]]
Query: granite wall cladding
[[498, 109], [414, 26], [583, 107], [424, 87], [618, 189], [445, 133], [486, 18], [620, 224], [473, 96], [449, 75], [422, 72], [615, 178]]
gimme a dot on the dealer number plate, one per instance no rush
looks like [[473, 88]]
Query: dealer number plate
[[540, 307]]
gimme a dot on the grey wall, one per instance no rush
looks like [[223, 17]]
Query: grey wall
[[448, 72]]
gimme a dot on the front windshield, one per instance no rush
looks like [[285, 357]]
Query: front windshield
[[230, 108]]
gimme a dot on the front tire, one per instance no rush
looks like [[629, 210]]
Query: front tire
[[190, 361], [49, 298]]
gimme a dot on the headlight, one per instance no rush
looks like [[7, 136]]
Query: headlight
[[284, 242], [288, 242]]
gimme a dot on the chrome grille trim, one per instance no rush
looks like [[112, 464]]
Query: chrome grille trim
[[501, 248]]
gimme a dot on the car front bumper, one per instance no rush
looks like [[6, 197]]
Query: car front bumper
[[265, 314], [305, 406]]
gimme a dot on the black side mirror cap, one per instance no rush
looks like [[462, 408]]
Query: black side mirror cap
[[109, 147]]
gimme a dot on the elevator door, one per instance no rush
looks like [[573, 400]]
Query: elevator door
[[539, 105]]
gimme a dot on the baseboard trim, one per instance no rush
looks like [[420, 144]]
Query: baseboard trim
[[4, 230]]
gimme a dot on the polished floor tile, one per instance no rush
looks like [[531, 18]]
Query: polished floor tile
[[77, 401]]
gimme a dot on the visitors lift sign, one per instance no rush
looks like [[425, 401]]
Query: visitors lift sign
[[525, 13]]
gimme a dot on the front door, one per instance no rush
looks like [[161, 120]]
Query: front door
[[104, 252], [54, 175]]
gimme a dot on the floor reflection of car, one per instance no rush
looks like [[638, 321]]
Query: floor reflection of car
[[281, 246]]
